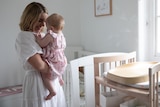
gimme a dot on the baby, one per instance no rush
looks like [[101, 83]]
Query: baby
[[53, 45]]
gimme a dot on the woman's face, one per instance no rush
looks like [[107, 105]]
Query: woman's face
[[40, 23]]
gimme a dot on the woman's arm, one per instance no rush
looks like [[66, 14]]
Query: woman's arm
[[37, 62], [41, 66]]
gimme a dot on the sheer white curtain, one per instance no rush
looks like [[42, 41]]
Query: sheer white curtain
[[149, 33], [143, 28]]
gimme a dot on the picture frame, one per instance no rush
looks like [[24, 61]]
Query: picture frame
[[102, 7]]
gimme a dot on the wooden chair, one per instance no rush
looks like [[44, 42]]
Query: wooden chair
[[102, 64], [149, 95], [154, 85]]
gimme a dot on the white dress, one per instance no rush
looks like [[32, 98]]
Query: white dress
[[34, 90]]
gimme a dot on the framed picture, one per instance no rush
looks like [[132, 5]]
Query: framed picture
[[103, 7]]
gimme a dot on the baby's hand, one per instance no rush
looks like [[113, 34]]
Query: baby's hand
[[37, 36]]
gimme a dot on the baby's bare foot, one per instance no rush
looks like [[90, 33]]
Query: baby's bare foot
[[51, 94]]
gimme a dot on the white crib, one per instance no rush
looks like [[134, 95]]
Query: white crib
[[73, 53], [88, 65]]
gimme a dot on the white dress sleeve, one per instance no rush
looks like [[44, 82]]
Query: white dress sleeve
[[26, 47]]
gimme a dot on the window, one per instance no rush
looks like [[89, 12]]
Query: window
[[149, 30]]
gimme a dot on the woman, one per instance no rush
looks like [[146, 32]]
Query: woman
[[34, 92]]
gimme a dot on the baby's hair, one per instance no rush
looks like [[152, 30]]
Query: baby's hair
[[56, 20]]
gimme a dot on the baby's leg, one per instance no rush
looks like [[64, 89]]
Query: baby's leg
[[48, 85]]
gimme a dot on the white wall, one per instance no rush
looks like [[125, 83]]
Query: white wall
[[11, 101], [10, 11], [118, 32]]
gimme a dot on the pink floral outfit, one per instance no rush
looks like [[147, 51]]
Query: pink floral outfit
[[54, 55]]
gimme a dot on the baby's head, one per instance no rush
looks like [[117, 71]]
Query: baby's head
[[55, 22]]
